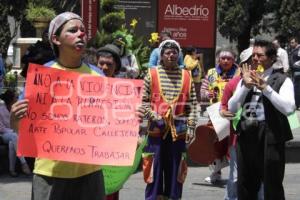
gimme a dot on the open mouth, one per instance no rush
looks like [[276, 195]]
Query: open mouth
[[80, 44]]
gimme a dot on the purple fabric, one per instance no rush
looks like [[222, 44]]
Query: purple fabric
[[167, 157]]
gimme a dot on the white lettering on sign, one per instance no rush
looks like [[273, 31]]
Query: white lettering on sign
[[187, 11]]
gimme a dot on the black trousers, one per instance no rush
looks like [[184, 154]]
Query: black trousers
[[260, 162], [296, 81], [88, 187]]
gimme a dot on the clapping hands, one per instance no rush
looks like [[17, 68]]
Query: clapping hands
[[252, 78]]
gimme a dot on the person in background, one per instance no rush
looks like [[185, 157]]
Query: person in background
[[109, 62], [267, 98], [8, 135], [2, 71], [231, 187], [154, 59], [129, 63], [294, 53], [282, 55], [8, 64], [211, 92], [192, 63], [294, 58], [60, 180], [169, 103], [90, 56], [38, 53], [225, 70]]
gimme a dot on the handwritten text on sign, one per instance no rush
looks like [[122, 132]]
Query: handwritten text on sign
[[80, 118]]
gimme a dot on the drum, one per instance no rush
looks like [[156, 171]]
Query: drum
[[206, 147]]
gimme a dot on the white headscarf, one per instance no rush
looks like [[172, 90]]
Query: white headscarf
[[163, 43]]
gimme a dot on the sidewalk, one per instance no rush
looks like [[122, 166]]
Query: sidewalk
[[194, 188]]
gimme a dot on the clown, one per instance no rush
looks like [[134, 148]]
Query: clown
[[211, 92], [169, 103]]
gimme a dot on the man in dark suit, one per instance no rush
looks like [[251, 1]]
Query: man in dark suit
[[294, 59], [267, 98]]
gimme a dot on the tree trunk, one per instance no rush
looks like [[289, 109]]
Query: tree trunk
[[244, 39]]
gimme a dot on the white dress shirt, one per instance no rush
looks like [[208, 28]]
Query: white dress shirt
[[283, 101], [283, 59]]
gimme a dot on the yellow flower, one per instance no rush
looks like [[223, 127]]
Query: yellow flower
[[260, 69], [133, 23], [154, 37]]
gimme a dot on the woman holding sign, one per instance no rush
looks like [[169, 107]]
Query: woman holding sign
[[59, 180], [169, 103]]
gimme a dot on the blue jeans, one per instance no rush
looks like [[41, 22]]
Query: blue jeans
[[11, 138], [231, 187]]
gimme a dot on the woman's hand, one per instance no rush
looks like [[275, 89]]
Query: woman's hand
[[17, 112], [227, 114], [19, 109]]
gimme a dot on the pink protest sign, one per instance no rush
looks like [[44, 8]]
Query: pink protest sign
[[80, 118]]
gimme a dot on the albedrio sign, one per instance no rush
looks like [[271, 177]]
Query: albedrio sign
[[187, 11]]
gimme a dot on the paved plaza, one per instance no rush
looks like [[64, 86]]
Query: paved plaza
[[194, 188]]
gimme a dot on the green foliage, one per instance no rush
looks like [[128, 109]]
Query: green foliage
[[34, 12], [238, 20], [142, 53], [45, 3], [14, 9], [234, 15], [129, 37], [10, 80], [111, 22], [66, 5], [287, 22], [101, 38], [17, 10], [135, 45], [108, 5]]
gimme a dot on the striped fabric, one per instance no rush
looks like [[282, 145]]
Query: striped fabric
[[170, 82], [171, 86]]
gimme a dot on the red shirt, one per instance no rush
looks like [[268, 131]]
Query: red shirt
[[227, 94]]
